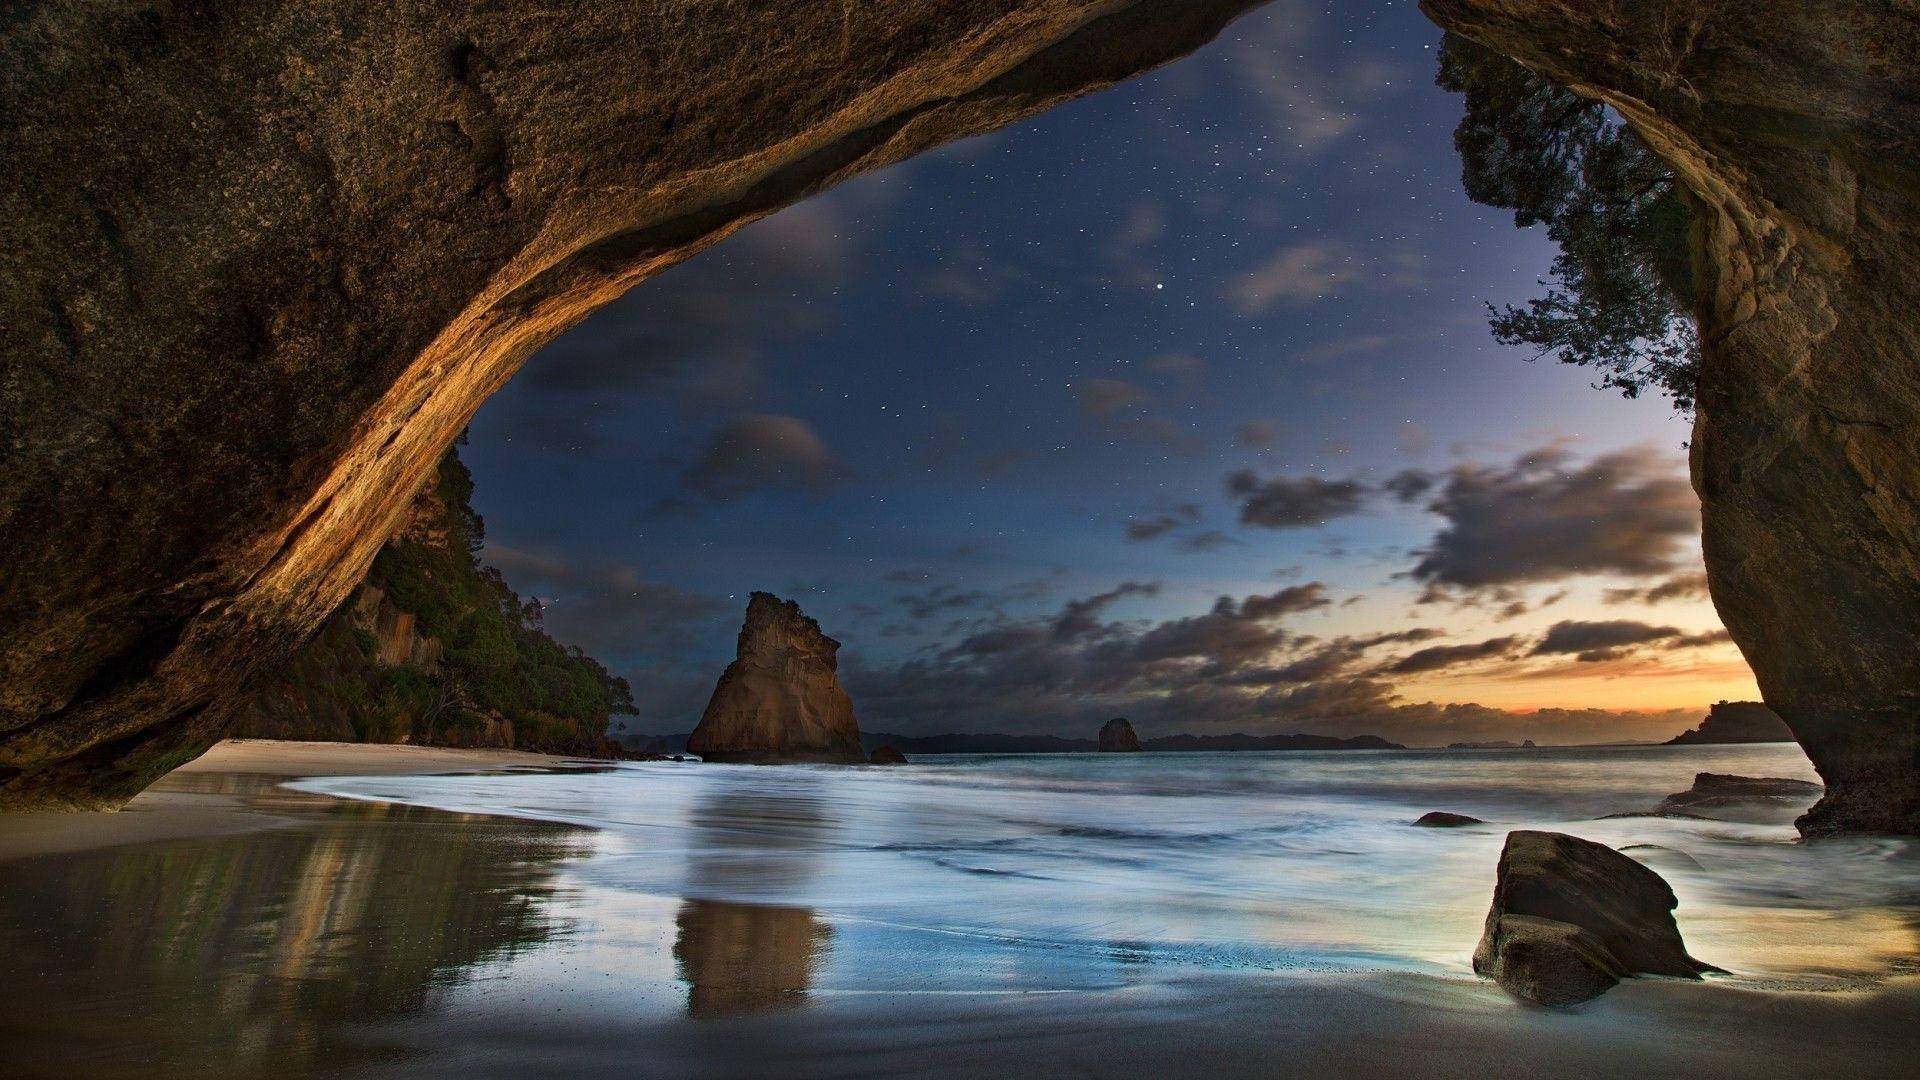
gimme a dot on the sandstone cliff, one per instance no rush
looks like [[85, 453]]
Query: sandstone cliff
[[435, 649], [780, 699], [1796, 129]]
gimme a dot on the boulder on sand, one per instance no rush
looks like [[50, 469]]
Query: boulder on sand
[[780, 700], [1570, 918], [1440, 819], [1116, 736], [886, 755]]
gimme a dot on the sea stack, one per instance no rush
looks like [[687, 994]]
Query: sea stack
[[780, 700], [1116, 736]]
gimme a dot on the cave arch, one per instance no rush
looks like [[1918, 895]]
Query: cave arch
[[256, 292]]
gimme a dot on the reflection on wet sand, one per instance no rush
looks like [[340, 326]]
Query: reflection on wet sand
[[739, 957], [261, 954]]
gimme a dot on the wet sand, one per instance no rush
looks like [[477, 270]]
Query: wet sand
[[245, 930], [179, 806]]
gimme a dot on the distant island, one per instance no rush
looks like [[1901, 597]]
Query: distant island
[[997, 743], [1736, 722], [1496, 744]]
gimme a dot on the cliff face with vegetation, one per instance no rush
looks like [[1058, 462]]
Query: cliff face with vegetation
[[262, 263], [1795, 129], [434, 648]]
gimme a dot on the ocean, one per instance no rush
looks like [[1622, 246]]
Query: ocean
[[997, 873]]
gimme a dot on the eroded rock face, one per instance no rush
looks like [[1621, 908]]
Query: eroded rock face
[[1797, 130], [1570, 918], [261, 266], [1117, 737], [780, 699]]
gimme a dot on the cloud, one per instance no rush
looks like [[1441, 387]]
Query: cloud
[[686, 326], [1257, 433], [1102, 398], [1120, 407], [1438, 657], [1302, 272], [1678, 587], [1545, 518], [1209, 540], [1312, 104], [1293, 502], [1236, 667], [605, 608], [1592, 641], [1142, 529], [1288, 601], [763, 452], [1174, 364], [1704, 640], [1081, 618]]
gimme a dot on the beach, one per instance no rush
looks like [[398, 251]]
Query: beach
[[322, 909]]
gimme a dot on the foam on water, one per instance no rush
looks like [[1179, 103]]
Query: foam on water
[[1037, 872]]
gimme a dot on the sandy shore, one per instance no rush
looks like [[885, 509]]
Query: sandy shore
[[200, 799], [255, 955]]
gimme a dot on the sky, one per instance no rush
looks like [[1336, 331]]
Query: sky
[[1177, 402]]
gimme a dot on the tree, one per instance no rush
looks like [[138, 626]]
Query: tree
[[1621, 291]]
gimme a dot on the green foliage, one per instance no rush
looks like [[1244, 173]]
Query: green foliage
[[1621, 292], [496, 654]]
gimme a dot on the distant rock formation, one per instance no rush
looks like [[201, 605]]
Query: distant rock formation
[[1440, 819], [780, 700], [1571, 918], [1736, 722], [886, 755], [1296, 741], [1117, 737], [1496, 744]]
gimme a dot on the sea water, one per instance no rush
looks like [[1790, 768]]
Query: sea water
[[753, 885]]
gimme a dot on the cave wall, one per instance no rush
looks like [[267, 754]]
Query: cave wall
[[1796, 125], [262, 262]]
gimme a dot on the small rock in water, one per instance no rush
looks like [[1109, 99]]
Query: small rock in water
[[1570, 918], [886, 755], [1440, 819]]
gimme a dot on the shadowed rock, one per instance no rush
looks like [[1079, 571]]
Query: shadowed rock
[[1715, 791], [886, 755], [1117, 737], [780, 699], [1570, 918], [1440, 819]]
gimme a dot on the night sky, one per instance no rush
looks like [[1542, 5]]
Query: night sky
[[1177, 402]]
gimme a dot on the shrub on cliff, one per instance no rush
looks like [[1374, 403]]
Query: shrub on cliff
[[1621, 291]]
